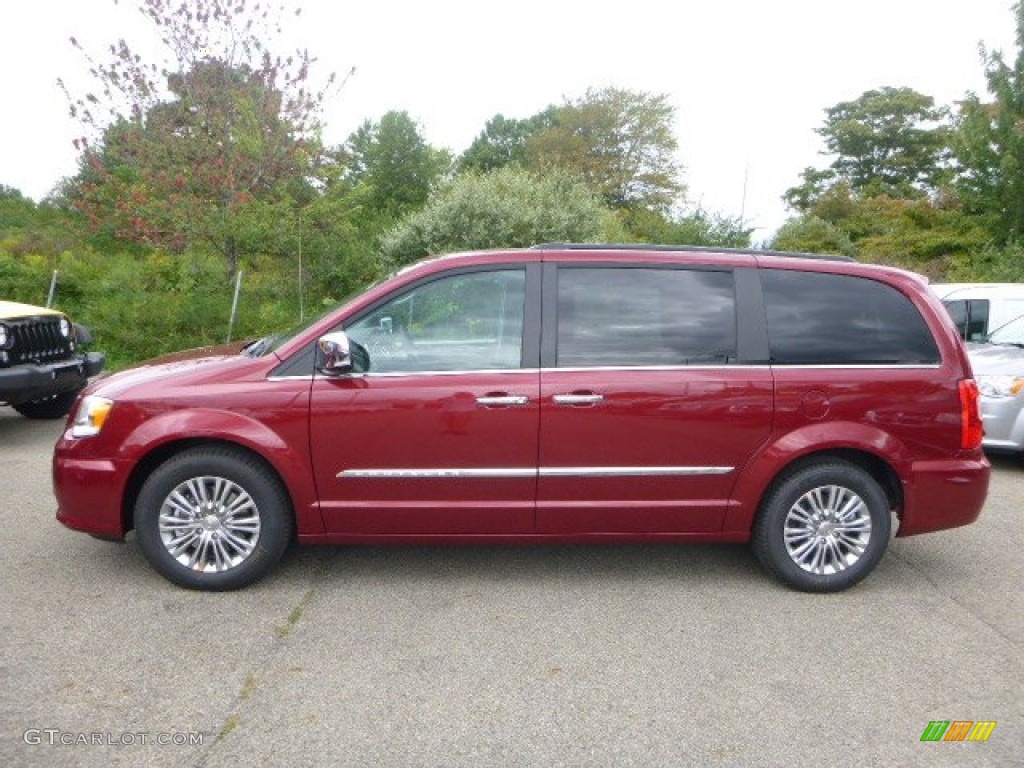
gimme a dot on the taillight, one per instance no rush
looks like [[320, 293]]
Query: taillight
[[971, 429]]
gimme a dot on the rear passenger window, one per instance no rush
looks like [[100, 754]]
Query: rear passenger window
[[823, 319], [618, 316]]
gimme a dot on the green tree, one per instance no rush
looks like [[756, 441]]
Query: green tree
[[16, 210], [34, 230], [503, 141], [886, 195], [923, 235], [394, 164], [507, 208], [620, 142], [891, 141], [209, 149], [989, 145]]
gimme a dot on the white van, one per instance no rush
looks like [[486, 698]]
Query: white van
[[980, 309]]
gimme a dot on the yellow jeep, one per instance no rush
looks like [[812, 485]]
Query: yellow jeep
[[42, 369]]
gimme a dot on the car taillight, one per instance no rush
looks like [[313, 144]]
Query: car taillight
[[971, 429]]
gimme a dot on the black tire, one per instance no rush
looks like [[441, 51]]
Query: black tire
[[224, 497], [823, 528], [55, 407]]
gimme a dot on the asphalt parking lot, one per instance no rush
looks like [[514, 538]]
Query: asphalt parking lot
[[485, 656]]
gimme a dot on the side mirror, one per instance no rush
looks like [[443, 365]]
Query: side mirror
[[337, 355]]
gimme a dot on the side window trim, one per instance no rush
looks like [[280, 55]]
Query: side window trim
[[549, 315], [751, 319]]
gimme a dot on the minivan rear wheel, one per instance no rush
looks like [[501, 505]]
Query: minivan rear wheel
[[823, 528], [213, 518]]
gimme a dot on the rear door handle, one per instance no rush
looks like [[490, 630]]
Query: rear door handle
[[495, 401], [578, 398]]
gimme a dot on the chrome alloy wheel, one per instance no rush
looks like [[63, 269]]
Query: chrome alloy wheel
[[209, 524], [827, 529]]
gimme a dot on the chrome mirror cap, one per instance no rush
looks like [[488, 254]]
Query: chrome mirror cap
[[334, 356]]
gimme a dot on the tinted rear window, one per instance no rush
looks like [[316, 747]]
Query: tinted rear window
[[823, 319]]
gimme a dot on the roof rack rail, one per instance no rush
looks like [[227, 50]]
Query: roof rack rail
[[555, 246]]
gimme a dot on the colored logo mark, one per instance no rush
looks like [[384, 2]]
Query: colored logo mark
[[958, 730]]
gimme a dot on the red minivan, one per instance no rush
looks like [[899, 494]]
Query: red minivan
[[569, 393]]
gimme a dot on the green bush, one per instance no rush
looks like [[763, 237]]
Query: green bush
[[990, 264], [507, 208], [141, 307], [810, 234]]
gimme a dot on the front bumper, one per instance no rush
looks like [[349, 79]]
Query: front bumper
[[24, 383], [89, 493]]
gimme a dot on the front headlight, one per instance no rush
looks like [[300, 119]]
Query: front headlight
[[1000, 386], [91, 416], [65, 327], [4, 336]]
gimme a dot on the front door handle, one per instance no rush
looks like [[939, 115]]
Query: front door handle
[[578, 398], [496, 401]]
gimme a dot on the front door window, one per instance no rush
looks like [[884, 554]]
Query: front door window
[[464, 322]]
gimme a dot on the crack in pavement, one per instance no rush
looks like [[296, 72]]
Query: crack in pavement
[[252, 680]]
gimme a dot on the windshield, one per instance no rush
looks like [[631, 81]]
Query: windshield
[[1011, 333], [267, 344]]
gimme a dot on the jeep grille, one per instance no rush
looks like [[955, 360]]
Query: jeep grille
[[36, 340]]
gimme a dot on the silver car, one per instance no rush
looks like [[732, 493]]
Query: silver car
[[999, 369]]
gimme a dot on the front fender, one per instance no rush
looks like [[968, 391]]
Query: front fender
[[287, 450], [779, 453]]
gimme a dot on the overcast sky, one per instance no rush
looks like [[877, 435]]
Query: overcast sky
[[750, 79]]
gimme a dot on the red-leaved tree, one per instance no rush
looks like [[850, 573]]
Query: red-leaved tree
[[211, 147]]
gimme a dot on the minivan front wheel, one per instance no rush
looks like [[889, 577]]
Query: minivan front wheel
[[823, 528], [213, 518]]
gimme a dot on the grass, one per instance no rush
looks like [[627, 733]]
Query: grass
[[283, 630]]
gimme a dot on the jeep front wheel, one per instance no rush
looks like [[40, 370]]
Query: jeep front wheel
[[54, 407]]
